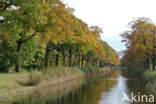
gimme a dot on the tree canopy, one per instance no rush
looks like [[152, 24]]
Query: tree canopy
[[141, 44], [38, 33]]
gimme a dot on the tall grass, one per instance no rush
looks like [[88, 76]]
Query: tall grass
[[47, 93], [52, 75], [47, 77], [60, 74], [55, 75], [38, 79]]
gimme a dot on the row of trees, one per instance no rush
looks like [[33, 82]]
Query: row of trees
[[141, 44], [37, 33]]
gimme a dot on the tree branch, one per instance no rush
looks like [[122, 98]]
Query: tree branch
[[28, 38]]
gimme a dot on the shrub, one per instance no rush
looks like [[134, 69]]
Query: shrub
[[93, 69], [150, 78], [149, 75], [137, 72]]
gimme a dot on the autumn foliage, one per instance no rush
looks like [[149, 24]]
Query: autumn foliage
[[43, 33], [141, 44]]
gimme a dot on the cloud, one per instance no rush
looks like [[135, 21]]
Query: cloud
[[113, 15]]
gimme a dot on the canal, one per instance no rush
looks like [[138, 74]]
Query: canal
[[102, 89]]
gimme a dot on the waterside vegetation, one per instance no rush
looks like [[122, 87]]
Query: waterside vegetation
[[139, 60]]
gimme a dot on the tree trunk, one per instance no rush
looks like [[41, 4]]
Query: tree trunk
[[64, 59], [57, 59], [79, 56], [153, 63], [47, 57], [147, 64], [18, 64], [87, 62], [96, 63], [82, 60], [70, 58], [100, 64], [93, 63]]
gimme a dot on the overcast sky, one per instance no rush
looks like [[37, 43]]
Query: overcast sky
[[112, 15]]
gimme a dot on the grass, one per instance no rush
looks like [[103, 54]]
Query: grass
[[148, 78], [60, 74], [8, 81], [9, 86], [49, 92], [21, 84]]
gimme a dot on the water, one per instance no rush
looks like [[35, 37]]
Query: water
[[102, 89]]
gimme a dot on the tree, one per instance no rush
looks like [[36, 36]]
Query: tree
[[22, 24], [140, 42], [37, 33]]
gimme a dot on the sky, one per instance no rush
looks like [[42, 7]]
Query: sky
[[112, 16]]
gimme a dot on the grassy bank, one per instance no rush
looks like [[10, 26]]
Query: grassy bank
[[150, 79], [147, 77], [23, 83], [133, 73]]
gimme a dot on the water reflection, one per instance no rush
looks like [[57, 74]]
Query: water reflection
[[103, 89], [87, 91], [115, 94], [50, 94]]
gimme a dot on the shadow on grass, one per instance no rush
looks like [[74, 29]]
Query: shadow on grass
[[27, 83]]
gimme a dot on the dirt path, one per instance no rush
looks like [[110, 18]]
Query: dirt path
[[6, 76]]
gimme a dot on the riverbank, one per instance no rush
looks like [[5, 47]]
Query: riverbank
[[22, 85], [150, 80], [147, 77]]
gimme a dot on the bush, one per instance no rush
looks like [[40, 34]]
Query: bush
[[137, 73], [149, 75], [93, 69]]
